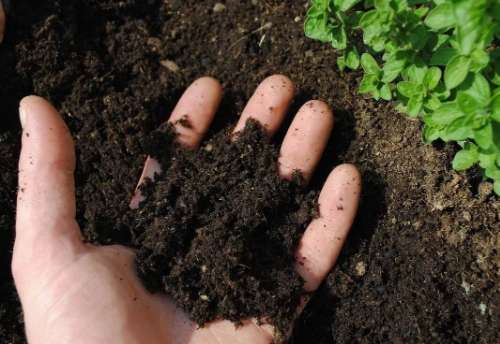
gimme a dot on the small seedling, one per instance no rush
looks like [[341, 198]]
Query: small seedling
[[437, 59]]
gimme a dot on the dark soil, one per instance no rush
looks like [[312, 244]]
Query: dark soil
[[422, 261], [219, 227]]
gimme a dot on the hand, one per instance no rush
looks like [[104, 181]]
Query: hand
[[73, 292], [2, 22]]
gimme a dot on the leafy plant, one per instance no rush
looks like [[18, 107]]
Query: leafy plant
[[439, 60]]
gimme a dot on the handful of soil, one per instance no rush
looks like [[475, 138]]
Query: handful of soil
[[219, 227]]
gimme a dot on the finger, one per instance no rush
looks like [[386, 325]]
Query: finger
[[191, 118], [151, 167], [2, 22], [322, 242], [46, 206], [269, 104], [195, 111], [306, 140]]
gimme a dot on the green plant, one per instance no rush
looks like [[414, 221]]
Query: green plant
[[438, 60]]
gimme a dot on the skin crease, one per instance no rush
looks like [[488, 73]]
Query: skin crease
[[73, 292]]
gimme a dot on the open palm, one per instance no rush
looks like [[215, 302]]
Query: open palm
[[73, 292]]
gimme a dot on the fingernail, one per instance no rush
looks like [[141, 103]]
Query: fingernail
[[22, 116]]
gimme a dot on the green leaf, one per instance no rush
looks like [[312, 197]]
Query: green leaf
[[470, 18], [369, 83], [430, 134], [315, 11], [496, 187], [421, 12], [347, 4], [480, 59], [341, 63], [342, 18], [369, 64], [418, 37], [447, 113], [478, 87], [484, 136], [355, 19], [436, 42], [486, 158], [417, 71], [441, 92], [321, 3], [406, 88], [370, 18], [382, 5], [315, 28], [496, 139], [442, 16], [399, 5], [419, 93], [467, 103], [492, 172], [414, 107], [458, 130], [442, 56], [369, 3], [495, 108], [385, 91], [456, 71], [432, 77], [466, 157], [339, 38], [431, 102], [391, 69], [351, 57]]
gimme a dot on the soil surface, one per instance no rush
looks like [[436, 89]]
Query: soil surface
[[422, 262]]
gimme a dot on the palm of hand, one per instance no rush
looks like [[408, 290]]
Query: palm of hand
[[73, 292], [109, 305]]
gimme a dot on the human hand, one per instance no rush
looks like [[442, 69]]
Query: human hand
[[2, 22], [73, 292]]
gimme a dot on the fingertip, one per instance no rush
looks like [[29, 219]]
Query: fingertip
[[349, 176], [207, 83], [282, 80], [36, 104], [198, 106], [306, 140], [269, 103], [324, 112]]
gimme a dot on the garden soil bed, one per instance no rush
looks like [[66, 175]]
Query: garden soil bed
[[422, 261]]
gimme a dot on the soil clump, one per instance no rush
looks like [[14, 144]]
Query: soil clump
[[219, 226]]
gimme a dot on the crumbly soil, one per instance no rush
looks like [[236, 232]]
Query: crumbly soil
[[218, 228], [422, 262]]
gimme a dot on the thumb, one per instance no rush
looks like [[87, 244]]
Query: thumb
[[46, 228], [2, 21]]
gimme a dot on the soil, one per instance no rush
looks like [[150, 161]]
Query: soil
[[218, 228], [422, 262]]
